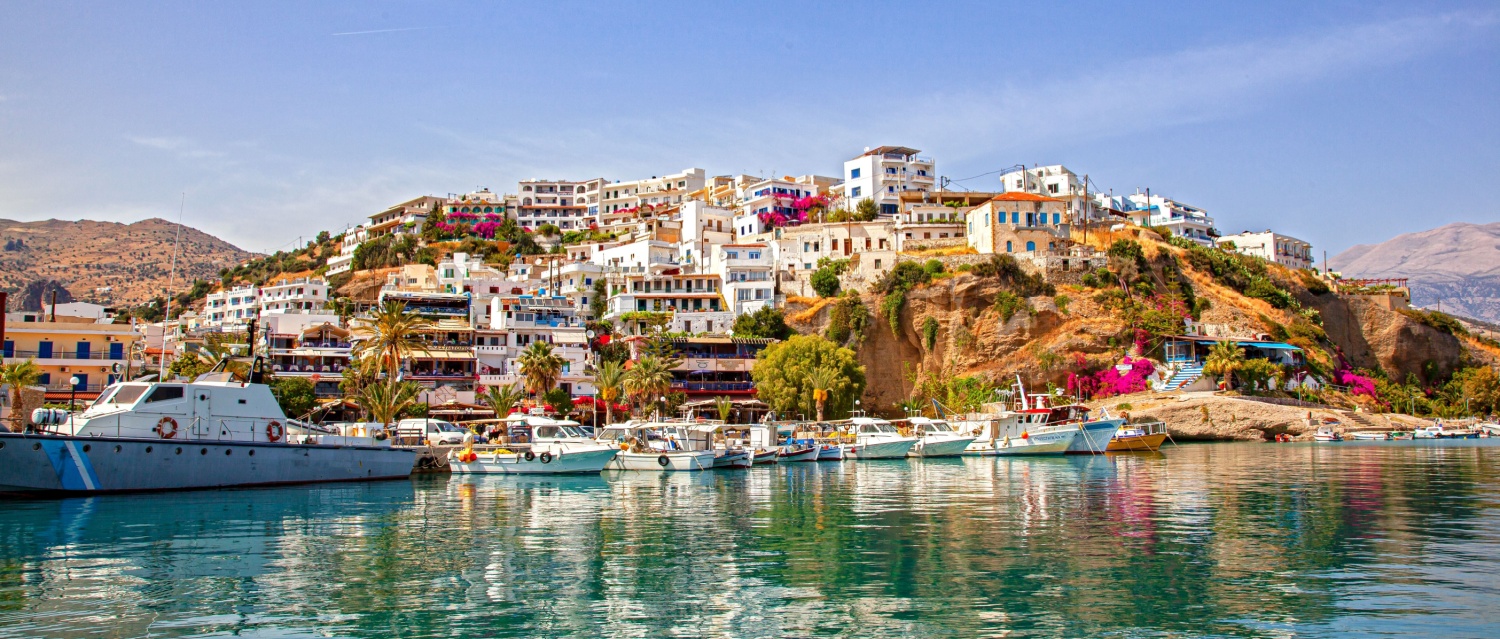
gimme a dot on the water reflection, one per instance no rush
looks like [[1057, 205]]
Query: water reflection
[[1228, 539]]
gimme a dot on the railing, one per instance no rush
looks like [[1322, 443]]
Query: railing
[[25, 354], [91, 387], [713, 386]]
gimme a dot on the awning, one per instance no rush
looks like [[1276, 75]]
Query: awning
[[426, 354], [1270, 346]]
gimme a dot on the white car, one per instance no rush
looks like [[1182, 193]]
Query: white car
[[435, 431]]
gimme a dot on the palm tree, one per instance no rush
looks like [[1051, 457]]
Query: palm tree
[[343, 307], [1224, 358], [390, 334], [648, 379], [18, 376], [540, 366], [385, 400], [502, 399], [822, 381], [724, 405], [610, 380]]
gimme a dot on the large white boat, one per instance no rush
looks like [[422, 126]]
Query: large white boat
[[656, 447], [1018, 433], [212, 432], [557, 446], [937, 438], [875, 438]]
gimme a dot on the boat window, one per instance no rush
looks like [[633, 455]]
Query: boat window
[[612, 435], [164, 394], [569, 431], [126, 394], [547, 431]]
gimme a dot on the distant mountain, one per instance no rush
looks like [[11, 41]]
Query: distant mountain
[[108, 262], [1457, 265]]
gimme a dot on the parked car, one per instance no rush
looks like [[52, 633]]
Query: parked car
[[434, 431]]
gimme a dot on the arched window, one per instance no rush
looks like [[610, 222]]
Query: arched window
[[1008, 248], [1031, 247]]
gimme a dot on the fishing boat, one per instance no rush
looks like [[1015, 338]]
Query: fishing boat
[[1438, 431], [1369, 436], [1094, 433], [755, 441], [767, 456], [937, 438], [1327, 434], [212, 432], [556, 446], [875, 438], [1138, 437], [646, 446], [830, 452], [728, 452], [1017, 433]]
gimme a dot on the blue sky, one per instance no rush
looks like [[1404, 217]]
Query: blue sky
[[1340, 123]]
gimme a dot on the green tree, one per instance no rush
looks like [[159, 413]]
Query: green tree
[[389, 335], [599, 300], [18, 376], [560, 400], [385, 400], [648, 379], [766, 322], [540, 366], [825, 282], [609, 379], [781, 372], [866, 210], [820, 381], [1224, 359], [723, 406], [295, 395], [502, 399]]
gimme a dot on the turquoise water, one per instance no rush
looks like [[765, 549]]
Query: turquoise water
[[1254, 540]]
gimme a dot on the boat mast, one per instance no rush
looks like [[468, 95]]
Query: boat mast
[[161, 370]]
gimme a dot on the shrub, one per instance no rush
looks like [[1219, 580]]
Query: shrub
[[1090, 281], [1061, 302], [1007, 304], [825, 282], [1437, 320], [929, 332], [847, 321], [933, 266]]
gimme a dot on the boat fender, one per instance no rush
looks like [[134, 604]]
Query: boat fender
[[274, 431], [663, 461], [546, 458], [1025, 435], [530, 455], [162, 429], [1005, 443]]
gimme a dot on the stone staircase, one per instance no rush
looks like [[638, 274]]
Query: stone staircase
[[1184, 376]]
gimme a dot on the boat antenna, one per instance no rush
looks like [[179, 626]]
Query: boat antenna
[[161, 371]]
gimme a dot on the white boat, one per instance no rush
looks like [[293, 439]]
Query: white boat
[[830, 452], [875, 438], [212, 432], [1370, 437], [655, 447], [1438, 431], [755, 442], [734, 459], [1327, 434], [937, 438], [800, 452], [557, 446], [1012, 433]]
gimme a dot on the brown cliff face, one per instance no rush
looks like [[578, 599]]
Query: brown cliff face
[[1370, 336]]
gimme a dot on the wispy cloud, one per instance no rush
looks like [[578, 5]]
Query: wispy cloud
[[182, 147], [353, 33]]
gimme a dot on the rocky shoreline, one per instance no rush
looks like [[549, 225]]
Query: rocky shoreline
[[1212, 417]]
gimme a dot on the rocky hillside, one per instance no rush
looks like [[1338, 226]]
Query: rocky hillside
[[1457, 266], [108, 262], [967, 324]]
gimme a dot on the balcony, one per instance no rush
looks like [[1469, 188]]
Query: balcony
[[499, 380], [713, 387], [63, 356]]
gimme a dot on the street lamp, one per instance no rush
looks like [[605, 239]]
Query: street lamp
[[72, 393]]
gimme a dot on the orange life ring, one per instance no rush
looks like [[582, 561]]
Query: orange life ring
[[274, 431], [161, 428]]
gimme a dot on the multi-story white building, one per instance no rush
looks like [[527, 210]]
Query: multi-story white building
[[776, 202], [1285, 250], [883, 174], [1147, 209], [748, 273], [1054, 181], [515, 321], [557, 202], [654, 191], [293, 295], [230, 309]]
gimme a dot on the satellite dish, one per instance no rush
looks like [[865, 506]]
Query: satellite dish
[[590, 334]]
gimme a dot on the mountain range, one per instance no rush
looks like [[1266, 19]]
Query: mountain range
[[106, 262], [1455, 268]]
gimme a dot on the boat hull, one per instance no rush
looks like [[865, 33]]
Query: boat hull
[[562, 463], [652, 461], [1094, 437], [766, 457], [40, 465], [1047, 443], [942, 448], [1372, 437], [831, 452], [734, 459], [809, 453], [1136, 443], [883, 450]]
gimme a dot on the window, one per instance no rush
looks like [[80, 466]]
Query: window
[[854, 192], [1052, 188], [853, 174], [164, 393], [754, 255], [1015, 217], [1031, 246], [890, 170], [1057, 219], [1008, 248], [890, 189]]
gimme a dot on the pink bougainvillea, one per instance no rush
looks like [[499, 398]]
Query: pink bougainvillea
[[1111, 381], [1358, 384]]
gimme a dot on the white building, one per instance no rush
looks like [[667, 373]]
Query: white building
[[1181, 220], [1054, 181], [556, 202], [770, 203], [401, 219], [231, 309], [1285, 250], [614, 197], [748, 273], [515, 321], [288, 295], [883, 174]]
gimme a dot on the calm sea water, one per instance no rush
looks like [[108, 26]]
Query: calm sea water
[[1255, 540]]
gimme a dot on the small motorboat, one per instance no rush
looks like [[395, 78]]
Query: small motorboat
[[1369, 436], [767, 456], [800, 452], [1327, 434], [830, 452], [734, 458], [1138, 437], [1438, 431]]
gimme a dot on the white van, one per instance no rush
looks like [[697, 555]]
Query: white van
[[436, 431]]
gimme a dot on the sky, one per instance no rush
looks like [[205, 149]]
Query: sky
[[263, 123]]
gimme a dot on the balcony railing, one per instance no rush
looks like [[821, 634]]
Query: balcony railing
[[25, 354], [713, 386], [63, 387]]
